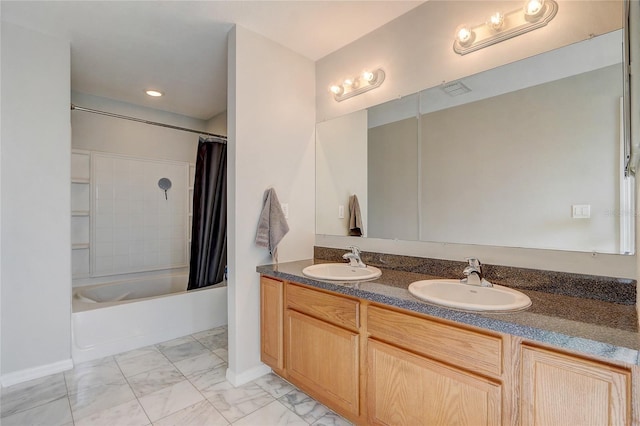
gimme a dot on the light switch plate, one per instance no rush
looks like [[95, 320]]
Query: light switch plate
[[581, 211]]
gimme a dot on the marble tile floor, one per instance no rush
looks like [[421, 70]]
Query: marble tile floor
[[180, 382]]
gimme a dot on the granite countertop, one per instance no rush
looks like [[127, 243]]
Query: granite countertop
[[593, 327]]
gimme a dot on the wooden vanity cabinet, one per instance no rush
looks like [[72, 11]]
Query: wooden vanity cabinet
[[427, 372], [558, 388], [271, 323], [322, 359], [375, 364], [311, 338], [322, 347]]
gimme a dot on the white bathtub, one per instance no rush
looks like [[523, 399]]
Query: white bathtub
[[120, 316]]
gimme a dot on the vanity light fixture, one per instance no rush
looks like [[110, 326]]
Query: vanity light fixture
[[351, 87], [153, 93], [502, 26]]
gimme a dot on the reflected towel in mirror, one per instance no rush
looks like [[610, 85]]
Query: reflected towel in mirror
[[355, 217]]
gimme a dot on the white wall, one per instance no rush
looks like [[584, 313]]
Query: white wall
[[271, 143], [218, 124], [95, 132], [415, 50], [341, 171], [35, 168], [1, 204]]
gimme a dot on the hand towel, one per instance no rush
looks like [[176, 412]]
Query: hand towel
[[272, 225], [355, 217]]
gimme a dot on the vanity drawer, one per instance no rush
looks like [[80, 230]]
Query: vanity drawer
[[337, 310], [453, 345]]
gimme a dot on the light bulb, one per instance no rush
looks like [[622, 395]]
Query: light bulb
[[336, 90], [348, 82], [368, 76], [496, 21], [464, 35], [153, 93], [533, 9]]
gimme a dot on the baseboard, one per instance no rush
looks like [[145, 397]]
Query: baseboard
[[35, 373], [239, 379]]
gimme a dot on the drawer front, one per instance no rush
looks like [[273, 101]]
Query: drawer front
[[457, 346], [327, 307]]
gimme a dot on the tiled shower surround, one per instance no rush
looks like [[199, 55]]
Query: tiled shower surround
[[136, 227]]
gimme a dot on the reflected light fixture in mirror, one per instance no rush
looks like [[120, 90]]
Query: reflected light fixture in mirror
[[351, 87], [502, 26]]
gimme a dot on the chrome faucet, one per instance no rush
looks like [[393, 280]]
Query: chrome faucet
[[354, 257], [473, 274]]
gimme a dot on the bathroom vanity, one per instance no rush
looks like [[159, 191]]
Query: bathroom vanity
[[376, 355]]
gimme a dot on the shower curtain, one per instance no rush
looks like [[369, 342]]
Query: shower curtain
[[209, 229]]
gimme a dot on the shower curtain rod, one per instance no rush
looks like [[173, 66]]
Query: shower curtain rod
[[154, 123]]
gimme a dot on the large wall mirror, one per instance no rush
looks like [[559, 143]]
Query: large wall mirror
[[530, 154]]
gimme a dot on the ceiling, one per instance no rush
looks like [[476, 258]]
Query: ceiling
[[121, 48]]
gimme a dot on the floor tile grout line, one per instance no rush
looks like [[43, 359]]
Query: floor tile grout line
[[35, 406], [177, 369], [210, 351], [126, 378], [66, 385], [73, 419], [187, 379], [42, 403]]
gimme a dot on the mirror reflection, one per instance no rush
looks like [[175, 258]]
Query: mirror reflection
[[526, 155]]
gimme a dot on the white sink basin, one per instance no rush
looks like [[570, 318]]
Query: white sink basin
[[341, 272], [454, 294]]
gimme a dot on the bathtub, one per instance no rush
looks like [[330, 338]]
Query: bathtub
[[119, 316]]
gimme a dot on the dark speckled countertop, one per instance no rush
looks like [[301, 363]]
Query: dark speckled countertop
[[585, 325]]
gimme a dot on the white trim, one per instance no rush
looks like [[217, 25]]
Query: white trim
[[35, 372], [627, 186], [239, 379]]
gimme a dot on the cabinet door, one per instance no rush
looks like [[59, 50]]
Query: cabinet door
[[407, 389], [559, 389], [271, 325], [323, 360]]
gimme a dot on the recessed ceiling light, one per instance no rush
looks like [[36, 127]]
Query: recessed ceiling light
[[154, 93]]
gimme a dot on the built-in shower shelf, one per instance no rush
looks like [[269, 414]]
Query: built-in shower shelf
[[80, 213]]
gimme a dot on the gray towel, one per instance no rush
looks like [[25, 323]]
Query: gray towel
[[272, 225], [355, 217]]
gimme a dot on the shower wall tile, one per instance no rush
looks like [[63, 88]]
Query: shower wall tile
[[136, 228], [80, 262], [80, 230], [80, 196]]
